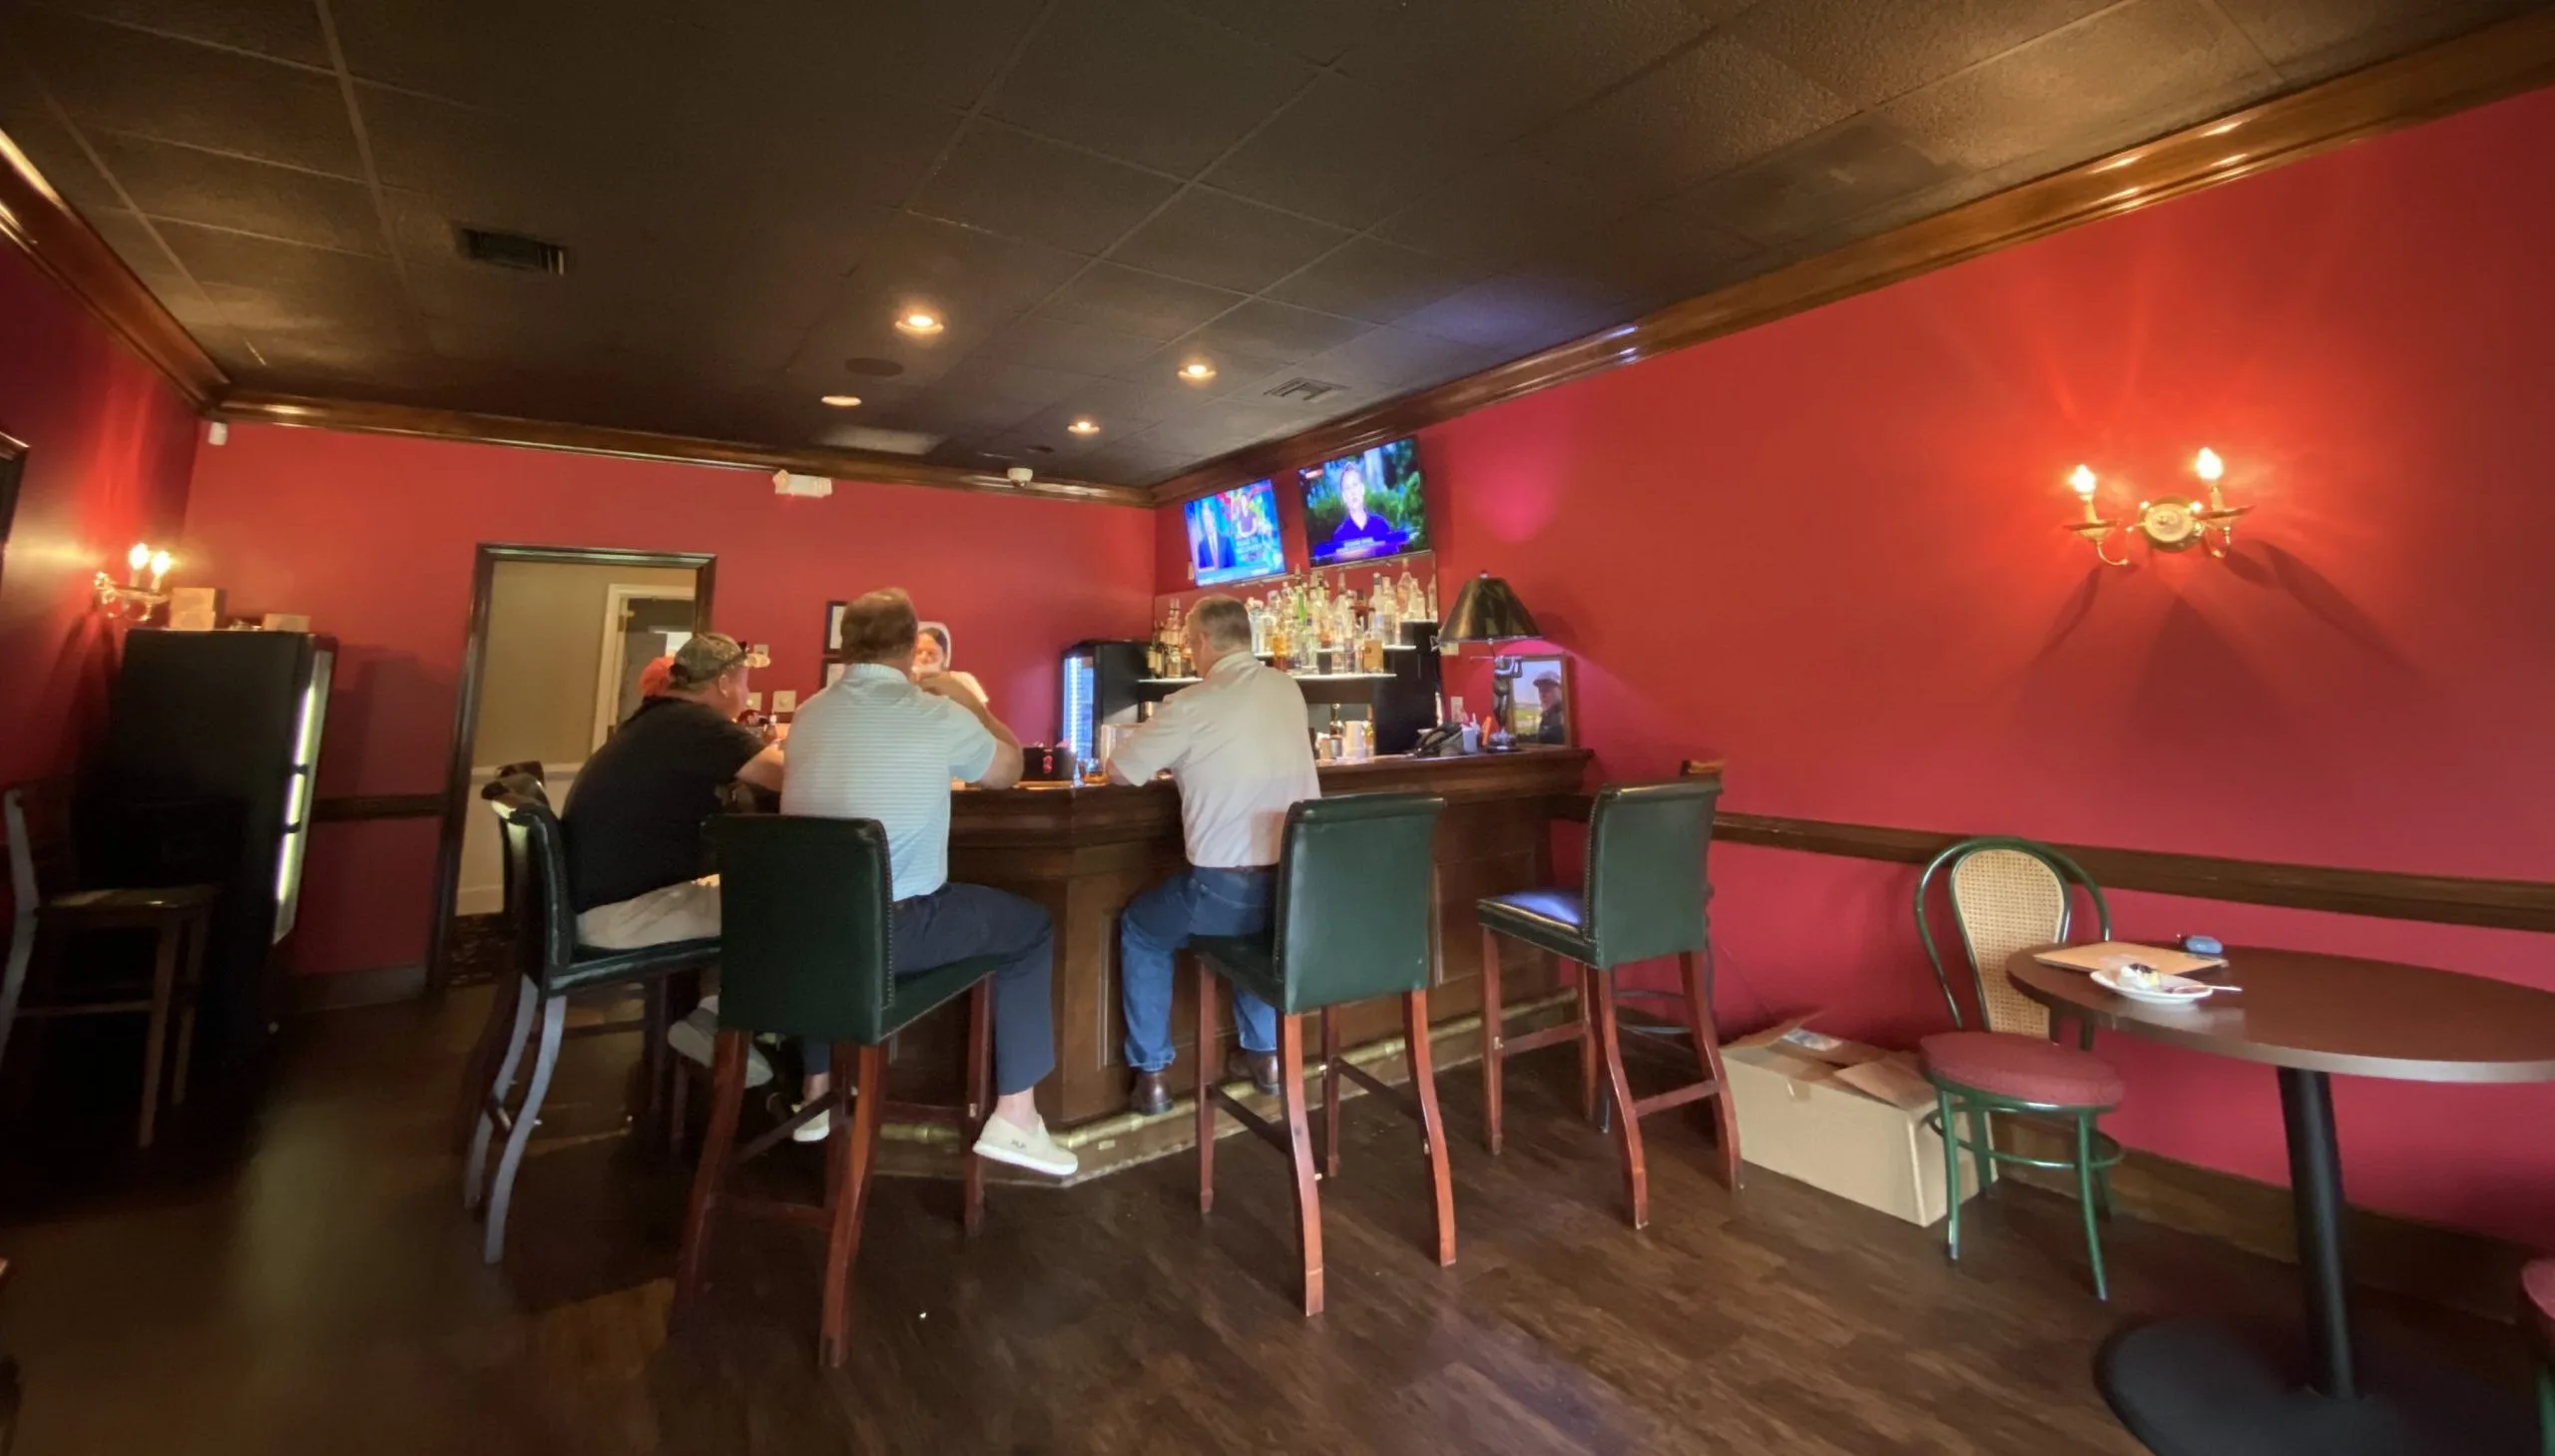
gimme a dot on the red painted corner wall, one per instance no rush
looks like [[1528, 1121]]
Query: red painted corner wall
[[110, 445], [374, 536], [1829, 548]]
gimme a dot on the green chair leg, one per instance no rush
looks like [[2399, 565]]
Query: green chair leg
[[2546, 1410], [1952, 1170], [2085, 1201], [1982, 1143]]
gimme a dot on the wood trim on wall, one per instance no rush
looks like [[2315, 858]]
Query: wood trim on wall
[[497, 429], [2503, 905], [344, 808], [2489, 65], [62, 244]]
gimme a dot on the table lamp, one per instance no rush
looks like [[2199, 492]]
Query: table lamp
[[1485, 610]]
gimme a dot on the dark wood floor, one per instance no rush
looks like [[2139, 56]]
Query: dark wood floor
[[321, 1291]]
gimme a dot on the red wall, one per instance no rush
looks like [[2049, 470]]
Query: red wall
[[1829, 548], [374, 536], [110, 445]]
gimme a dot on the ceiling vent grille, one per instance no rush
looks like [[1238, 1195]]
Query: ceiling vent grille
[[511, 250], [1305, 391]]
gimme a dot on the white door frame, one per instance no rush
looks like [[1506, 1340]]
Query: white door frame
[[616, 603]]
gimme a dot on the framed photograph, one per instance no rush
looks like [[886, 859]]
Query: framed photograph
[[1531, 697], [835, 672], [834, 625], [13, 459]]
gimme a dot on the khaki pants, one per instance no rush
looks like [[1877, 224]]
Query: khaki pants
[[685, 911]]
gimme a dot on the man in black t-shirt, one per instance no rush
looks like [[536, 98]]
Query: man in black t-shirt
[[635, 856]]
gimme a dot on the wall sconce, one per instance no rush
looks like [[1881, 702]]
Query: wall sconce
[[134, 600], [2171, 524]]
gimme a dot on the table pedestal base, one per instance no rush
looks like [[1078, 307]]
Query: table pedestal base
[[2187, 1387]]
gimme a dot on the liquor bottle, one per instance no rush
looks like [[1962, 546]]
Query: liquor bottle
[[1413, 606], [1386, 615], [1432, 599], [1259, 626]]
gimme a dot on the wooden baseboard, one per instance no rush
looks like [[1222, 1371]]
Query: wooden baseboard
[[2474, 1272], [345, 990]]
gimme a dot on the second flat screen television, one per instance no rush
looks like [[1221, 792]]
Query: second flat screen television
[[1366, 506], [1232, 535]]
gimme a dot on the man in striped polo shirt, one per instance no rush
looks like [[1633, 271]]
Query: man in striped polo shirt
[[877, 745]]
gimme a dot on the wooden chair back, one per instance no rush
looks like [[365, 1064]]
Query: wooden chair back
[[2007, 895]]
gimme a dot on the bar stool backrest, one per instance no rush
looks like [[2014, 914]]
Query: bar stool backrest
[[807, 911], [1353, 899], [544, 928], [40, 852], [1645, 889], [2007, 895]]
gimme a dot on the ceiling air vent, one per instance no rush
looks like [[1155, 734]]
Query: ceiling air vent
[[512, 249], [1306, 390]]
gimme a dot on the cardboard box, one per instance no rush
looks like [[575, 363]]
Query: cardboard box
[[1843, 1117]]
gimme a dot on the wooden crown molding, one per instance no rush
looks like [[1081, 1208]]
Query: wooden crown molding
[[499, 429], [63, 244], [2504, 904], [2489, 65]]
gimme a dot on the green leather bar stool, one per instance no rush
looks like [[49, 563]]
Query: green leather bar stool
[[1641, 898], [805, 911], [1352, 923]]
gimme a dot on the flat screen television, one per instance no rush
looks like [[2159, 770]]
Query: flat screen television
[[1232, 535], [1366, 506]]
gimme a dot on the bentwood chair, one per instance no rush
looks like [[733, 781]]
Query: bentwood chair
[[552, 967], [1641, 898], [1351, 923], [49, 915], [808, 909], [2008, 895]]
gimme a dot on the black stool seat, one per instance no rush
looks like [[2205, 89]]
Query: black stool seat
[[1548, 919], [1248, 961], [163, 899], [594, 965]]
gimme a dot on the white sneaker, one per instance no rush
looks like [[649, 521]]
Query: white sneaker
[[814, 1129], [696, 1038], [1028, 1147]]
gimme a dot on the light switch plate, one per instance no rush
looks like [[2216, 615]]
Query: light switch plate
[[784, 699], [755, 700]]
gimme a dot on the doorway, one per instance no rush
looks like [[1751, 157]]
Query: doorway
[[559, 637]]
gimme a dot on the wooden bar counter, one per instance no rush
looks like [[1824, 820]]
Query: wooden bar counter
[[1085, 852]]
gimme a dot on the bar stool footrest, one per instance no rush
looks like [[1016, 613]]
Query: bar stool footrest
[[1568, 1033], [1674, 1096]]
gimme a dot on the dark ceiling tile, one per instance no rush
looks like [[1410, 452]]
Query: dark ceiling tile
[[1225, 425], [57, 155], [1273, 332], [1825, 180], [1146, 81], [288, 275], [1495, 69], [123, 79], [1374, 280], [1713, 108], [1519, 312], [1209, 238], [1054, 344], [486, 165], [844, 143], [943, 52], [956, 271], [1492, 212], [2143, 65], [1132, 462], [1011, 182], [1236, 368], [1348, 152], [1660, 255], [287, 30], [1870, 51], [1399, 359], [1145, 305], [166, 181], [132, 240], [1318, 29], [2310, 42], [513, 57]]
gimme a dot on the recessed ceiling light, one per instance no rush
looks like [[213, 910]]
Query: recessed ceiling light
[[1084, 427], [840, 401], [919, 322], [1197, 371]]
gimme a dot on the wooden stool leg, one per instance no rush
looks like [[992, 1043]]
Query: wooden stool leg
[[980, 1100], [861, 1159], [1589, 1053], [1206, 1054], [189, 988], [1492, 1036], [1700, 1025], [726, 1101], [1601, 992], [1433, 1128], [1330, 1092], [1299, 1143], [155, 1046]]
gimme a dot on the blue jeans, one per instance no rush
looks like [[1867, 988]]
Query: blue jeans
[[1161, 921], [956, 922]]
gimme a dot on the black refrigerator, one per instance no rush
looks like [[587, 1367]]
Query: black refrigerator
[[213, 743], [1098, 686]]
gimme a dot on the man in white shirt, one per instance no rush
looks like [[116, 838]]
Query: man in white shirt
[[1239, 747], [877, 745]]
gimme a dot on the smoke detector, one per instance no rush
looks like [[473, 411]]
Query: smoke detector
[[816, 487], [1019, 475]]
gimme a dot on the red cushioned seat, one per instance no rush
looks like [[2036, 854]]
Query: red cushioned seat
[[2538, 1283], [2023, 1068]]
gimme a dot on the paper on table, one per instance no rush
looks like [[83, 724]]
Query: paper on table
[[2112, 955]]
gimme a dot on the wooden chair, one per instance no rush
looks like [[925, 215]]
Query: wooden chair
[[2008, 895], [552, 967], [49, 915], [1642, 897], [807, 906], [1352, 923]]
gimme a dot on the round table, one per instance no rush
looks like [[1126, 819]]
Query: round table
[[2187, 1387]]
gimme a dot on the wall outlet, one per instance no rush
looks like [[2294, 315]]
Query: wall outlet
[[755, 701], [784, 699]]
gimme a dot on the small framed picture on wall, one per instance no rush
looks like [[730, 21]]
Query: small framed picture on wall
[[1531, 697], [834, 625], [13, 459]]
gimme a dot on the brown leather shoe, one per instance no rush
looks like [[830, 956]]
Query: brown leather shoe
[[1149, 1098], [1259, 1066]]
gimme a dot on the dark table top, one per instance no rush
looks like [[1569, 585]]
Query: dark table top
[[2332, 1013]]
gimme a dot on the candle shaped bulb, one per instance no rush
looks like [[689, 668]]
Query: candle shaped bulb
[[2082, 482], [135, 559], [2209, 468], [161, 561]]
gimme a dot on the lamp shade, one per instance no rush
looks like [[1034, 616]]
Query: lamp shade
[[1485, 610]]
